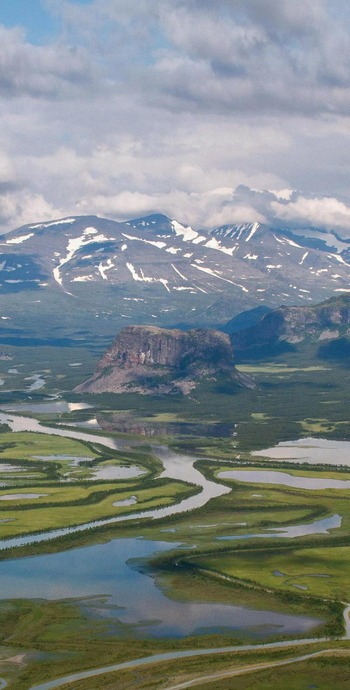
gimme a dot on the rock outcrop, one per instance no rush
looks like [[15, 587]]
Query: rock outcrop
[[147, 359]]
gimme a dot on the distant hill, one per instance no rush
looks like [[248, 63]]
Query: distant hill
[[245, 319], [325, 323]]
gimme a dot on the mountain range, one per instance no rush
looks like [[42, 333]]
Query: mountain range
[[88, 275]]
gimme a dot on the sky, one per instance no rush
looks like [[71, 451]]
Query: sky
[[210, 112]]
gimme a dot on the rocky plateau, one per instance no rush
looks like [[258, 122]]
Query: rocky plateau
[[148, 359]]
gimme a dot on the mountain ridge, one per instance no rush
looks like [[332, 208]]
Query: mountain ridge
[[328, 321], [154, 269]]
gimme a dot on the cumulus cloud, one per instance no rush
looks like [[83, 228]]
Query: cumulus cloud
[[212, 113], [263, 54], [41, 71], [325, 212], [25, 208], [203, 210]]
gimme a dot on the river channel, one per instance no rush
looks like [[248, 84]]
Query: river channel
[[122, 593]]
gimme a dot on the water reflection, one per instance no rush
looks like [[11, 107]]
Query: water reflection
[[56, 406], [317, 527], [133, 598], [311, 450], [149, 428], [284, 479]]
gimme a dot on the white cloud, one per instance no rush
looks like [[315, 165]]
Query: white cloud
[[325, 212], [25, 208], [187, 107], [41, 71]]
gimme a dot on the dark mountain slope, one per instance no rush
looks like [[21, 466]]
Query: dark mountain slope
[[328, 321]]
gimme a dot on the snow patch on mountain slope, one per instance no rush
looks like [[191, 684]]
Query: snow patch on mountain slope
[[82, 279], [293, 244], [102, 269], [146, 279], [180, 274], [186, 233], [215, 275], [255, 227], [19, 240], [215, 244], [285, 240], [338, 258], [54, 222], [236, 231], [74, 244], [159, 245]]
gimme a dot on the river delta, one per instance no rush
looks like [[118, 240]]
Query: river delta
[[165, 579]]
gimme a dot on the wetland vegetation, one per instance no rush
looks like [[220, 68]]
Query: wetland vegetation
[[196, 558]]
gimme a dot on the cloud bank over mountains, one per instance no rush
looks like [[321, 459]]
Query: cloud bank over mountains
[[214, 113]]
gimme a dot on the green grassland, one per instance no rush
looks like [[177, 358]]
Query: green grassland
[[21, 448], [321, 473], [329, 671], [74, 503], [56, 638], [24, 445], [77, 505], [323, 571], [331, 668]]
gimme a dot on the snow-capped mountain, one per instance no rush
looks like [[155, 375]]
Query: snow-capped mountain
[[157, 270]]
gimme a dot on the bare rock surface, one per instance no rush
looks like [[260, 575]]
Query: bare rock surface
[[148, 359]]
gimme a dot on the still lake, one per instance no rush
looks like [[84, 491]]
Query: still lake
[[128, 597]]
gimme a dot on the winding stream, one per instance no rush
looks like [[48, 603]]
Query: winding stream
[[176, 466]]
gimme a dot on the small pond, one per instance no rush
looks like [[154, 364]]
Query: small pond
[[126, 502], [18, 497], [117, 472], [53, 406], [284, 479], [311, 450], [38, 382], [292, 531]]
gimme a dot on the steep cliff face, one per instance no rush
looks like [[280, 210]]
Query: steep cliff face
[[149, 359], [327, 321]]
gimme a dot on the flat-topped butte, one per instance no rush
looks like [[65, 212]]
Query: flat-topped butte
[[148, 359]]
